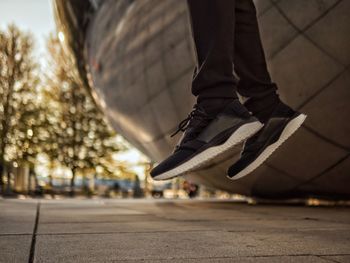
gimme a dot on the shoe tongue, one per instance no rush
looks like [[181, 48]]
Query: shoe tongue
[[214, 106], [277, 109], [239, 109], [263, 107]]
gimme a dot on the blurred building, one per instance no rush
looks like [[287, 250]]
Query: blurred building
[[137, 57]]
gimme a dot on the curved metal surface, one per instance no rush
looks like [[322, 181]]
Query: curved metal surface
[[141, 60]]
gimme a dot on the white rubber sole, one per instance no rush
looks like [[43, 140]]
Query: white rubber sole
[[241, 134], [288, 131]]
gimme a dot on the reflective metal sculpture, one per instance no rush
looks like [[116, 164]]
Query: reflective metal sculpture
[[139, 59]]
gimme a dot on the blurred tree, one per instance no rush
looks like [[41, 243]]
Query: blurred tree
[[20, 114], [84, 140]]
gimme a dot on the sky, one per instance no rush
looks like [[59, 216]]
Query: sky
[[33, 15]]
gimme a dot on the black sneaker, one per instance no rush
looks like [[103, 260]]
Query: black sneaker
[[206, 137], [279, 127]]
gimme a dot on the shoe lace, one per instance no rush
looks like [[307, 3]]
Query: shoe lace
[[198, 113]]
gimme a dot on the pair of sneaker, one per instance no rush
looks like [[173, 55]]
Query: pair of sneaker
[[207, 136]]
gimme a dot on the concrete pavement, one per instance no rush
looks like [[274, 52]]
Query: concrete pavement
[[170, 231]]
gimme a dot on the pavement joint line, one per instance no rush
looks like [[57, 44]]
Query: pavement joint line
[[230, 257], [94, 222], [160, 218], [293, 230], [143, 232], [35, 229], [14, 234]]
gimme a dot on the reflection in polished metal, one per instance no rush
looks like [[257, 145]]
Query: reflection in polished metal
[[138, 57]]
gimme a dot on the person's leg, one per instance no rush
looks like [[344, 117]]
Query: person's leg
[[250, 63], [219, 121], [213, 34], [255, 83]]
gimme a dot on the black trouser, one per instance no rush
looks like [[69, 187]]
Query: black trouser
[[227, 39]]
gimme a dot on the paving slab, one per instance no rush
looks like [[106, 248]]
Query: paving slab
[[17, 217], [338, 259], [264, 259], [17, 210], [14, 248], [189, 244], [83, 211], [158, 224], [9, 228], [146, 230]]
